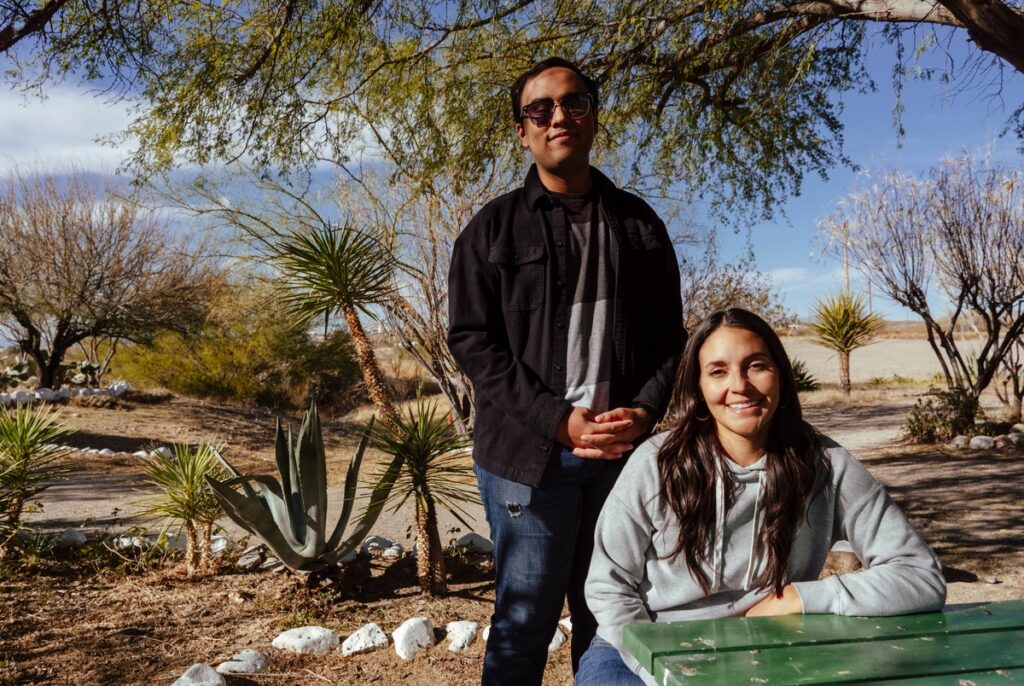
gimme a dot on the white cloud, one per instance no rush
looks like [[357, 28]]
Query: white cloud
[[60, 129]]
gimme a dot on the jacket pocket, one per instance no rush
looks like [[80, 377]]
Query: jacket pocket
[[522, 269]]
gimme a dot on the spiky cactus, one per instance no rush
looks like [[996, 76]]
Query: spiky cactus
[[290, 516]]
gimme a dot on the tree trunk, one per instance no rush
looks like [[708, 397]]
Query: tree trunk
[[372, 376], [191, 549], [205, 554], [844, 372], [430, 568], [994, 26]]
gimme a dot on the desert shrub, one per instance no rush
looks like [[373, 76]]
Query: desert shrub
[[941, 415], [249, 353], [805, 381], [29, 461], [183, 498]]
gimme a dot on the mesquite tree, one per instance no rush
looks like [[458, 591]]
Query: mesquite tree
[[78, 262]]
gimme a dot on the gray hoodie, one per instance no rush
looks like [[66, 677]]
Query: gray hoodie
[[631, 580]]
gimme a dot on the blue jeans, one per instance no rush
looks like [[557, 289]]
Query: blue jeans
[[602, 665], [543, 539]]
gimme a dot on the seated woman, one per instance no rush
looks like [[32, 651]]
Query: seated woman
[[733, 511]]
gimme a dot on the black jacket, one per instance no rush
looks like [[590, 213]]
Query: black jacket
[[509, 316]]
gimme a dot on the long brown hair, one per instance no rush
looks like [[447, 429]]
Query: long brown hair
[[688, 460]]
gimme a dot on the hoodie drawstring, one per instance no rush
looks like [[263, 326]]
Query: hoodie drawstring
[[754, 533], [718, 560], [718, 556]]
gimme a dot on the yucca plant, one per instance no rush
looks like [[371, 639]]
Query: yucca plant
[[435, 473], [843, 323], [343, 269], [29, 459], [290, 515], [184, 498]]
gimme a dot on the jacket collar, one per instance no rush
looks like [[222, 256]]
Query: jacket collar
[[535, 191]]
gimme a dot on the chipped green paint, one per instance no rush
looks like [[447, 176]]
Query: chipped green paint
[[983, 646]]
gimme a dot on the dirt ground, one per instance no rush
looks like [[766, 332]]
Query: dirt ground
[[100, 619]]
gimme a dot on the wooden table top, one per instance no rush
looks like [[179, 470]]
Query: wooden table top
[[974, 647]]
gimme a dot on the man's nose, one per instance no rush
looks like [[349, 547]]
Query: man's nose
[[558, 114]]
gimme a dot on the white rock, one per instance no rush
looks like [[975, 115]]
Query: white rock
[[23, 397], [313, 640], [982, 443], [556, 641], [83, 392], [119, 388], [106, 452], [92, 451], [460, 635], [252, 557], [566, 624], [162, 451], [200, 675], [63, 394], [1018, 428], [101, 391], [368, 637], [218, 544], [1004, 442], [374, 544], [129, 542], [393, 553], [140, 453], [245, 662], [486, 633], [46, 395], [960, 442], [476, 543], [412, 636], [1017, 437], [70, 539]]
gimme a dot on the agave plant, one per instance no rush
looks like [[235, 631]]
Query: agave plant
[[436, 472], [290, 515], [184, 498], [29, 458]]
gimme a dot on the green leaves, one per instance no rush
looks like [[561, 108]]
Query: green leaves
[[182, 495], [29, 457], [435, 458], [843, 323], [327, 267]]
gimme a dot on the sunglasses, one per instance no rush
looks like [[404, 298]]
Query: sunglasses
[[574, 105]]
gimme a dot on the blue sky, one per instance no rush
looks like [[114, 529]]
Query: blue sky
[[938, 120]]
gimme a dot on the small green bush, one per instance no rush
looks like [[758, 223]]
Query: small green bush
[[249, 353], [941, 415]]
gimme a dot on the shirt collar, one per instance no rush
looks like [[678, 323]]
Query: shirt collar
[[535, 191]]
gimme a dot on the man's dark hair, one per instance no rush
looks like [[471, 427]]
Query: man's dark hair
[[549, 63]]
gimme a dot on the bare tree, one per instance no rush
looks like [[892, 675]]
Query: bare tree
[[710, 283], [959, 233], [79, 262]]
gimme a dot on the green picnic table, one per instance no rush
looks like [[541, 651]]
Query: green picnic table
[[973, 647]]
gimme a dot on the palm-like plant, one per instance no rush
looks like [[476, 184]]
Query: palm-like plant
[[184, 498], [343, 269], [290, 515], [29, 458], [436, 473], [843, 323]]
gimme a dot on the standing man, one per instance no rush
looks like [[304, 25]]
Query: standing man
[[565, 314]]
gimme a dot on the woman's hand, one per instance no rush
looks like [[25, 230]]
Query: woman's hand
[[789, 603]]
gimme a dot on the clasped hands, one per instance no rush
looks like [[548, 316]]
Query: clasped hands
[[605, 436]]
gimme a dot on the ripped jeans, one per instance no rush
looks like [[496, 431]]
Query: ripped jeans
[[543, 539]]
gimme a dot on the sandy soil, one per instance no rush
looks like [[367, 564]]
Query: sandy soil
[[104, 620]]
